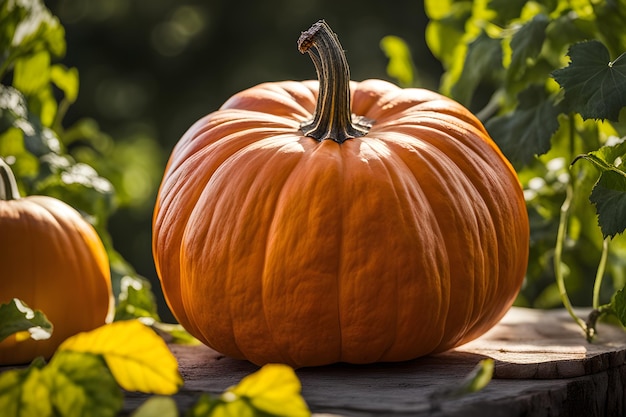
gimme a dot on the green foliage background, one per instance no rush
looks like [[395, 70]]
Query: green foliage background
[[148, 69], [133, 75]]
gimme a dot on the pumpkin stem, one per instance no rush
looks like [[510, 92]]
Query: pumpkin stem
[[8, 185], [333, 119]]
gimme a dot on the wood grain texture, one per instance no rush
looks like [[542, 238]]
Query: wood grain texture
[[537, 344], [544, 367]]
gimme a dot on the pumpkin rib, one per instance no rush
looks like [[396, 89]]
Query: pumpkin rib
[[373, 142], [295, 274], [190, 189], [494, 178], [279, 149], [429, 156], [82, 261], [78, 255], [220, 126], [368, 95], [465, 182], [495, 208], [268, 99], [377, 215]]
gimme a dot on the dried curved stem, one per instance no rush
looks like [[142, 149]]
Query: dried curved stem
[[333, 118]]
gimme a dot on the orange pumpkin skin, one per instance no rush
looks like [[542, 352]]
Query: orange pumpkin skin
[[54, 261], [274, 247]]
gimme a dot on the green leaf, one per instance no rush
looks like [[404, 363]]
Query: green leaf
[[39, 28], [526, 45], [32, 72], [444, 36], [483, 61], [67, 80], [135, 299], [609, 197], [594, 85], [479, 378], [81, 385], [612, 154], [38, 140], [609, 192], [17, 317], [24, 393], [204, 406], [157, 407], [78, 184], [618, 305], [13, 109], [527, 130], [400, 64], [438, 9], [506, 9], [473, 382]]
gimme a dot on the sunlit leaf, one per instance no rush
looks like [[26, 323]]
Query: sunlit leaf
[[479, 378], [157, 406], [526, 131], [13, 108], [77, 184], [32, 72], [482, 62], [67, 80], [473, 382], [400, 64], [618, 305], [438, 9], [15, 316], [24, 393], [594, 85], [135, 298], [14, 112], [137, 357], [274, 389], [81, 385], [38, 28]]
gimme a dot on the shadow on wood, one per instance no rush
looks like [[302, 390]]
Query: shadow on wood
[[544, 367]]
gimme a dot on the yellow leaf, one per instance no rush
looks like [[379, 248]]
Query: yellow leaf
[[21, 336], [274, 389], [136, 356]]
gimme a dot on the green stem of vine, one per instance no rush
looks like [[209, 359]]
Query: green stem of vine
[[562, 236], [600, 274], [558, 256]]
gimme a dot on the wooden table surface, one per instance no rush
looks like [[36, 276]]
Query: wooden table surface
[[543, 367]]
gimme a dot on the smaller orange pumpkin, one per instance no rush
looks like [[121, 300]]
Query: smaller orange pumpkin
[[54, 261]]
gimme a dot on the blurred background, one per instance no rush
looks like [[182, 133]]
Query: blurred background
[[148, 69]]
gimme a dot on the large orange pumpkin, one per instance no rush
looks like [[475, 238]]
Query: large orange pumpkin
[[53, 260], [287, 230]]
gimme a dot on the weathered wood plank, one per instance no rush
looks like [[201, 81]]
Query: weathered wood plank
[[544, 367], [530, 343]]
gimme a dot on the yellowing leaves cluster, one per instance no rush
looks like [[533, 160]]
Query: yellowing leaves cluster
[[136, 356]]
